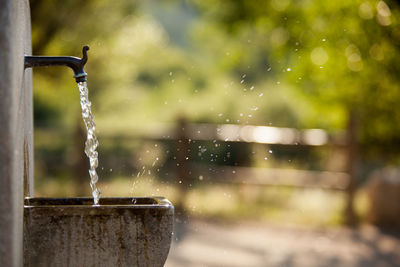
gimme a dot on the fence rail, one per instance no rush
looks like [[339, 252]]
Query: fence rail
[[183, 135], [271, 177]]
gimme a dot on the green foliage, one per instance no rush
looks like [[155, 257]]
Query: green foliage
[[343, 56], [280, 62]]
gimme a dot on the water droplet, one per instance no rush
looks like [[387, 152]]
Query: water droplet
[[288, 69], [260, 95], [270, 151]]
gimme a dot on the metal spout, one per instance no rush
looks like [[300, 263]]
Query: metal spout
[[75, 63]]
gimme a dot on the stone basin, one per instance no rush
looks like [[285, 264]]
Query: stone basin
[[118, 232]]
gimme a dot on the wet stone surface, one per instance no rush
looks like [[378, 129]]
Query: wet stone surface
[[114, 234]]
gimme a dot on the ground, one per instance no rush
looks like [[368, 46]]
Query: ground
[[249, 244]]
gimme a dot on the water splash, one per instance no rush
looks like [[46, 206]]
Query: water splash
[[91, 140]]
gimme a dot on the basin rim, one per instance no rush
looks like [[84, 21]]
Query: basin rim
[[105, 202]]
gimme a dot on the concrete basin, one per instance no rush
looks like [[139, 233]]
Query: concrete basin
[[118, 232]]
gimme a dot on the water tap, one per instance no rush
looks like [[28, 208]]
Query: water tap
[[75, 63]]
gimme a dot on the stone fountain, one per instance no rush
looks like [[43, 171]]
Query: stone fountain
[[60, 231]]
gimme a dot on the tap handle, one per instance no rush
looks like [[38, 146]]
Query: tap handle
[[84, 54], [75, 63]]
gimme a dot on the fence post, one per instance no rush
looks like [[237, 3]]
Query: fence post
[[351, 166], [182, 157]]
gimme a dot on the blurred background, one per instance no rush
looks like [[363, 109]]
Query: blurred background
[[272, 126]]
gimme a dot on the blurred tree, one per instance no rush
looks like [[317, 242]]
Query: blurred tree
[[341, 55], [62, 28], [280, 62]]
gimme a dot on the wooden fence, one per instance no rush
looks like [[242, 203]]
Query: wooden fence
[[186, 136]]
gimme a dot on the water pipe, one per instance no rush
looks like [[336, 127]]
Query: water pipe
[[75, 63]]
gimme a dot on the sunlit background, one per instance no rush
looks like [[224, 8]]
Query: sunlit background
[[277, 120]]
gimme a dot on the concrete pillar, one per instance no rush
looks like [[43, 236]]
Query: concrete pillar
[[16, 127]]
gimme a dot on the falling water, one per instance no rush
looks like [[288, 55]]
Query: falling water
[[91, 140]]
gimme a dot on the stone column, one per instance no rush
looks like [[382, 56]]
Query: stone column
[[16, 127]]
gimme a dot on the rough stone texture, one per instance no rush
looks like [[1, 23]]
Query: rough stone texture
[[15, 126], [73, 232]]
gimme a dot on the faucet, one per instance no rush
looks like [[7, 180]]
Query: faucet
[[75, 63]]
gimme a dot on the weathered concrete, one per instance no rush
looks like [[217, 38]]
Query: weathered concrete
[[16, 126], [119, 232]]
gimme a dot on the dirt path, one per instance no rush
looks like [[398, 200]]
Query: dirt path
[[201, 243]]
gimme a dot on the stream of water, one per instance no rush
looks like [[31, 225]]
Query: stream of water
[[91, 140]]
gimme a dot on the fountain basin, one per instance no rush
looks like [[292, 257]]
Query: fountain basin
[[118, 232]]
